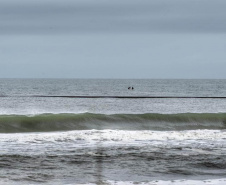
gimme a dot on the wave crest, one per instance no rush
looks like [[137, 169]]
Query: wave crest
[[88, 121]]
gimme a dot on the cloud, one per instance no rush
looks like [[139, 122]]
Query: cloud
[[101, 16]]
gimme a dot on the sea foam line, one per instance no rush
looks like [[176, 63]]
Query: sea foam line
[[161, 182], [116, 136]]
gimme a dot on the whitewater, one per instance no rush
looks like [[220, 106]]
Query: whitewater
[[47, 138]]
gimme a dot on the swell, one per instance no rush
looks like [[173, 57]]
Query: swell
[[88, 121]]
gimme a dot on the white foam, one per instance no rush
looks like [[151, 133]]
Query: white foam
[[161, 182], [197, 141], [118, 135], [156, 182], [174, 182]]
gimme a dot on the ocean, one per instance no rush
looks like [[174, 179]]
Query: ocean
[[100, 131]]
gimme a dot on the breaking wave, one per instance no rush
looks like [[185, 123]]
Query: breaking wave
[[88, 121]]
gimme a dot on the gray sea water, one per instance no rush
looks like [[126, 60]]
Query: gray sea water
[[49, 137]]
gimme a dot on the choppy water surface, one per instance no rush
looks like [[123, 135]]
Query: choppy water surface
[[47, 140]]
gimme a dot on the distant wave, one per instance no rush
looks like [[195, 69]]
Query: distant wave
[[121, 97], [88, 121]]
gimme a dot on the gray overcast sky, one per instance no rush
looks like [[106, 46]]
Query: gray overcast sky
[[112, 39]]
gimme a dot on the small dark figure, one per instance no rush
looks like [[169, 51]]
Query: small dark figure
[[132, 88], [129, 87]]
